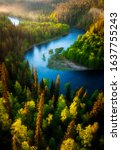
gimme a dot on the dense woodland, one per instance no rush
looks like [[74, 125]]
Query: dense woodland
[[17, 39], [36, 115], [88, 49], [79, 13]]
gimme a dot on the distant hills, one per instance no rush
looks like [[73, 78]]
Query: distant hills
[[81, 13]]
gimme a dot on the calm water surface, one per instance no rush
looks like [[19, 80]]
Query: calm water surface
[[38, 57]]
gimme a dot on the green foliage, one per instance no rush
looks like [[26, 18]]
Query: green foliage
[[88, 50], [18, 39], [51, 51], [18, 88], [59, 50], [52, 144], [68, 91], [5, 121], [36, 114], [61, 104], [38, 118], [39, 32]]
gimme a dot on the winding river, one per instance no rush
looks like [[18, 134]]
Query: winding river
[[91, 79], [38, 57]]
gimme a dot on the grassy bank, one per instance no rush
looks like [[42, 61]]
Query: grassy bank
[[59, 62]]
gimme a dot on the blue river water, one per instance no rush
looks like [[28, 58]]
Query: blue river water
[[90, 79]]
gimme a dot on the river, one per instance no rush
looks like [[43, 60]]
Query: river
[[90, 79], [14, 20]]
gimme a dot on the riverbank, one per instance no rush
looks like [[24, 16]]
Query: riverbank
[[59, 62], [46, 41], [64, 30], [56, 61]]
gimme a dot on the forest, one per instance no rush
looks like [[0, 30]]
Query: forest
[[36, 115], [17, 39], [88, 50]]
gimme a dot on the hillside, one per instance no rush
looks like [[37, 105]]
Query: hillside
[[81, 13], [17, 40], [88, 50], [30, 9]]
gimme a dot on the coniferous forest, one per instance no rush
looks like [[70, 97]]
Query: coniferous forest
[[35, 114]]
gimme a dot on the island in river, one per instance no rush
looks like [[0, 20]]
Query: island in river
[[59, 62], [38, 57]]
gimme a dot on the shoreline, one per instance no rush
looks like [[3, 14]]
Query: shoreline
[[26, 49], [58, 62], [44, 42]]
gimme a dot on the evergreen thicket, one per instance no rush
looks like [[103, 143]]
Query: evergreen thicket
[[34, 115]]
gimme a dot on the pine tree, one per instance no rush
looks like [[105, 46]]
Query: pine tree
[[4, 79], [85, 95], [52, 89], [0, 70], [42, 85], [52, 144], [80, 92], [98, 105], [35, 79], [68, 91], [35, 84], [70, 130], [57, 87], [14, 145], [38, 132]]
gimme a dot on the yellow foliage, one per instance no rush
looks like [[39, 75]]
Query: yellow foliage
[[68, 144], [31, 104], [74, 106], [73, 109], [5, 121], [49, 118], [86, 135], [64, 114], [25, 145], [19, 131], [21, 111]]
